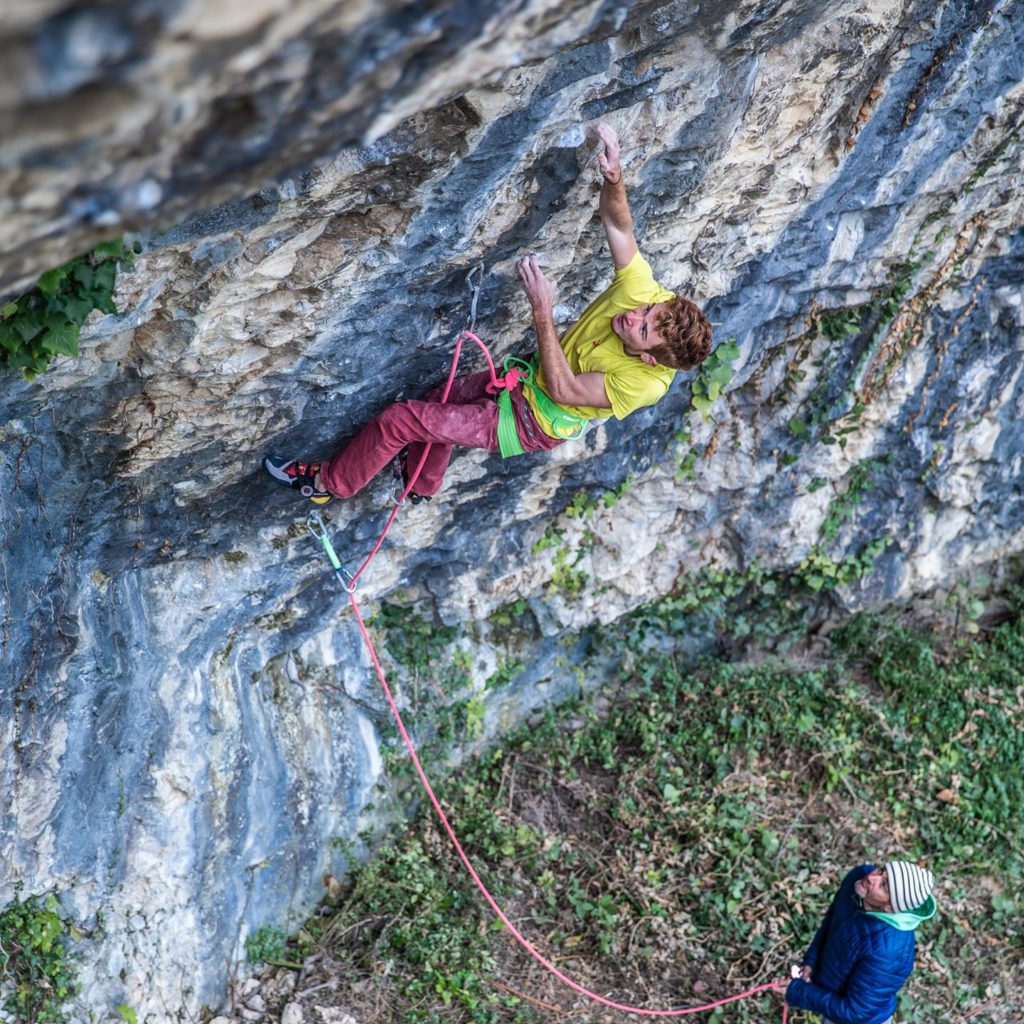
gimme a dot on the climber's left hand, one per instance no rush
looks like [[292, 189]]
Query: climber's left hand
[[609, 160], [539, 289]]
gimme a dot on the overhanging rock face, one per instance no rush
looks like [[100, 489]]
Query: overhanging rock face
[[187, 714]]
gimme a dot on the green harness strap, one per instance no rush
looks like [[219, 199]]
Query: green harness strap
[[563, 423], [508, 436]]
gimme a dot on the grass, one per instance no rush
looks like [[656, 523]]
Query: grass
[[678, 837]]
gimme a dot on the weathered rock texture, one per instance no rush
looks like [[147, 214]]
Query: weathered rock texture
[[187, 715]]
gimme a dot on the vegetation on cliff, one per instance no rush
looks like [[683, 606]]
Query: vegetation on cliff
[[677, 839], [47, 320]]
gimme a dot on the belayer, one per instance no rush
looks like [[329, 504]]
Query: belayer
[[620, 356], [864, 950]]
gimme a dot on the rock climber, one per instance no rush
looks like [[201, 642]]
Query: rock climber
[[619, 356], [864, 950]]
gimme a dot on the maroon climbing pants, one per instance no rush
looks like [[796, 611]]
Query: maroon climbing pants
[[469, 418]]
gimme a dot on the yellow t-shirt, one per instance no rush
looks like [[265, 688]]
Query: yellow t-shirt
[[591, 346]]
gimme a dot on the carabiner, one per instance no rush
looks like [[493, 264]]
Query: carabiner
[[317, 527], [475, 292]]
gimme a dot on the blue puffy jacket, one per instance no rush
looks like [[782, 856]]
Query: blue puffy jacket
[[859, 961]]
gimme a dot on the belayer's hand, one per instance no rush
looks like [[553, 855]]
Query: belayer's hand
[[539, 290], [608, 161]]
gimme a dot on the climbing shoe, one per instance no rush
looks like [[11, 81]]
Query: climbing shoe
[[299, 476]]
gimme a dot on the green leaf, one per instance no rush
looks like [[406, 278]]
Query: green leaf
[[28, 327], [105, 275], [728, 351], [714, 390], [115, 247], [701, 404], [49, 282], [76, 309], [9, 338], [29, 361], [10, 308], [798, 427], [105, 304], [722, 375], [84, 274], [127, 1014], [61, 337]]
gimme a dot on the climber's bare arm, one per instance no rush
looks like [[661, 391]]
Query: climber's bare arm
[[614, 207], [563, 386]]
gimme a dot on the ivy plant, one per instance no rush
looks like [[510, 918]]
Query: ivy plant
[[715, 373], [34, 964], [46, 321]]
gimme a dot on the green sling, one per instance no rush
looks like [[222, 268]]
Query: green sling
[[563, 423]]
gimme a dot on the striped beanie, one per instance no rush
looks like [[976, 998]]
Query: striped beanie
[[909, 885]]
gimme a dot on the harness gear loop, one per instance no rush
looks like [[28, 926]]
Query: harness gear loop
[[316, 526], [565, 424]]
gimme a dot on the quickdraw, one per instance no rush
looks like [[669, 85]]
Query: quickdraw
[[315, 525]]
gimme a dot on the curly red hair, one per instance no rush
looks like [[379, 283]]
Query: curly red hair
[[687, 334]]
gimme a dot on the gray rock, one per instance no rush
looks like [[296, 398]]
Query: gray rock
[[333, 1015], [256, 1003], [293, 1014], [190, 714]]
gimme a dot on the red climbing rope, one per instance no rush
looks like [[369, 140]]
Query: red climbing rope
[[425, 782], [485, 892], [497, 383]]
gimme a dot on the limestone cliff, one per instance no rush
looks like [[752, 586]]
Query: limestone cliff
[[187, 715]]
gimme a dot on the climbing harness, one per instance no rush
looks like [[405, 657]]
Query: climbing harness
[[565, 425], [317, 528]]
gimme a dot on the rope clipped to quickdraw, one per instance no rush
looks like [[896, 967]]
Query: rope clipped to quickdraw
[[316, 527]]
